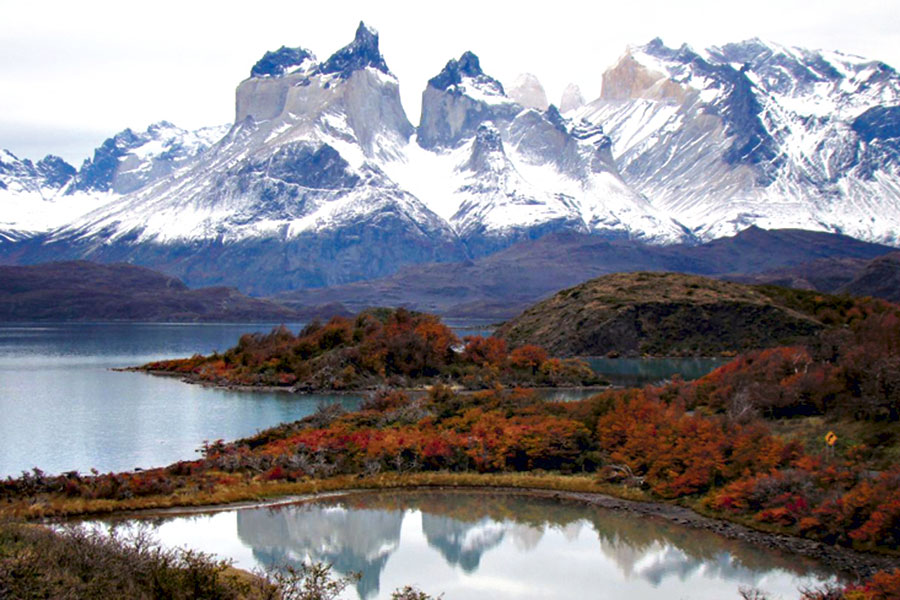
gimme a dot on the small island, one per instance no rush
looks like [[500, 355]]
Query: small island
[[393, 348]]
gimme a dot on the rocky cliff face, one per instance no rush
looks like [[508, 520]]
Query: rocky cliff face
[[459, 99]]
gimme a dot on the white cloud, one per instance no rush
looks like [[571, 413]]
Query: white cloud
[[98, 67]]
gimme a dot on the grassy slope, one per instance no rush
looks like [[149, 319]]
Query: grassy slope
[[668, 314]]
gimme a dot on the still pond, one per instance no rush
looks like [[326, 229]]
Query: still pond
[[481, 544]]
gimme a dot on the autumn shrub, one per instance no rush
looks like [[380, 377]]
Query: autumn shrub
[[484, 351], [77, 562], [868, 513], [884, 585], [397, 348], [384, 400], [528, 357], [837, 503], [679, 453]]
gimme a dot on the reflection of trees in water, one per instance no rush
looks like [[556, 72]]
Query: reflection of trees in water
[[351, 540], [359, 532]]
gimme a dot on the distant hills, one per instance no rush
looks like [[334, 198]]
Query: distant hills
[[84, 291], [499, 286], [503, 284], [879, 277]]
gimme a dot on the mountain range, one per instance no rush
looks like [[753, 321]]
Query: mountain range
[[322, 179]]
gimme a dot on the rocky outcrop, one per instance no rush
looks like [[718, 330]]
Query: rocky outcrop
[[662, 314]]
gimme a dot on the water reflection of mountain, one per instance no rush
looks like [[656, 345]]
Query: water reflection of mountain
[[652, 549], [461, 543], [358, 541], [360, 532]]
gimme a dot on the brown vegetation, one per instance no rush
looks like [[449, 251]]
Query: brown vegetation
[[378, 347], [87, 563], [36, 562], [672, 314], [707, 443]]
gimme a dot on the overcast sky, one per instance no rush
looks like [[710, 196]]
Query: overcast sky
[[74, 73]]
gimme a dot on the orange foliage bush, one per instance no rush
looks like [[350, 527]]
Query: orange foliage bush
[[852, 371], [484, 350], [681, 454], [399, 348]]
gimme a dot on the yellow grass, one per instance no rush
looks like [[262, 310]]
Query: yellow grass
[[58, 506]]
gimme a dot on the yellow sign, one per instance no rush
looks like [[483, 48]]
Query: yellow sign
[[830, 438]]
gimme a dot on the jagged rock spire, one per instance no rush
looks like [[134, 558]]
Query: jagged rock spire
[[454, 71], [279, 62], [362, 52]]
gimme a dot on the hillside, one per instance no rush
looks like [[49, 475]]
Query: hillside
[[502, 285], [84, 291], [669, 314], [878, 277]]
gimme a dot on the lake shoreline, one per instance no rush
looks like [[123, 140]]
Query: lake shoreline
[[850, 563], [186, 378]]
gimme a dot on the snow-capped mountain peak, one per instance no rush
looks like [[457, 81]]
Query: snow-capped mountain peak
[[283, 61], [362, 52], [528, 91], [571, 99], [754, 133], [465, 77], [129, 161], [295, 188], [322, 179], [457, 100], [350, 101], [37, 197]]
